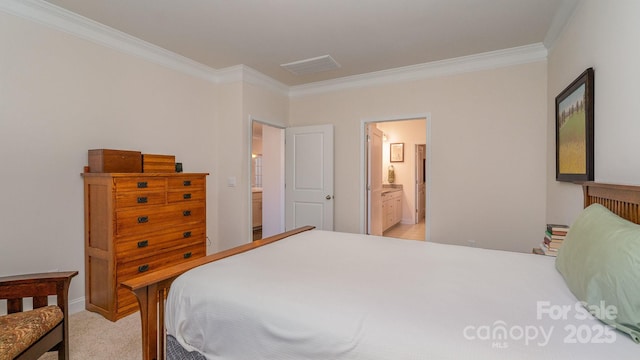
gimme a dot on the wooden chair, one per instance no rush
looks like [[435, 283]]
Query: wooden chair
[[29, 334]]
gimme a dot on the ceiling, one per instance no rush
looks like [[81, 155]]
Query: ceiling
[[362, 36]]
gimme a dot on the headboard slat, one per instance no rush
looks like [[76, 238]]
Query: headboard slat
[[622, 200]]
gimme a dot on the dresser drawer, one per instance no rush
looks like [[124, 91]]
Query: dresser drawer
[[130, 269], [185, 195], [186, 182], [145, 220], [140, 198], [125, 299], [139, 246], [140, 183]]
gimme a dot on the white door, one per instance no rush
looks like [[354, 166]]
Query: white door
[[272, 181], [309, 177], [374, 179]]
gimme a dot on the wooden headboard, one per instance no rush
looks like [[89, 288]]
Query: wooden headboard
[[623, 200]]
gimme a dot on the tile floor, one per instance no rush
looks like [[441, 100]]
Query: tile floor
[[407, 231]]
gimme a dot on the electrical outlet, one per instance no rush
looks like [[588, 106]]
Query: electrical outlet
[[472, 243]]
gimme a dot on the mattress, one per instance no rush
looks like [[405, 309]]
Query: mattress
[[331, 295]]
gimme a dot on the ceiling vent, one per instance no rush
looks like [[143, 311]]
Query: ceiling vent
[[311, 66]]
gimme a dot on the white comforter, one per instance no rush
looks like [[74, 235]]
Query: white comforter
[[329, 295]]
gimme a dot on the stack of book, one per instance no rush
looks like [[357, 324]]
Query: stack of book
[[553, 237]]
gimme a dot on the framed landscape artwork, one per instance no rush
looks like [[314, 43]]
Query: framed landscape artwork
[[574, 130]]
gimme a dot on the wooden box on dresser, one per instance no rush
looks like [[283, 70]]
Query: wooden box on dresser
[[134, 223]]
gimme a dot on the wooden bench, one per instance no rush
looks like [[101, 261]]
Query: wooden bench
[[29, 334]]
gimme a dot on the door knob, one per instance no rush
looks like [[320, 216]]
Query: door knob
[[328, 197]]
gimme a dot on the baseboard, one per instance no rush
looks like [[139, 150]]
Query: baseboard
[[76, 305]]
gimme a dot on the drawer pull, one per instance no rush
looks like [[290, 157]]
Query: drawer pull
[[143, 268], [186, 183], [142, 184], [142, 200], [187, 255], [143, 243], [186, 234], [143, 219], [186, 213], [186, 196]]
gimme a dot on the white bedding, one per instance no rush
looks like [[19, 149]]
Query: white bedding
[[329, 295]]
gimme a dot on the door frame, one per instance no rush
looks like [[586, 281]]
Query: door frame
[[363, 167], [416, 164], [370, 191]]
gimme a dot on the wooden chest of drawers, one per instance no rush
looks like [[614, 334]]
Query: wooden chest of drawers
[[135, 223]]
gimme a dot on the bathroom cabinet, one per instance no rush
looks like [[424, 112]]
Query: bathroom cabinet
[[256, 209], [391, 208]]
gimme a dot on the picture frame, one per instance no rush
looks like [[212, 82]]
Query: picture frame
[[396, 152], [575, 130]]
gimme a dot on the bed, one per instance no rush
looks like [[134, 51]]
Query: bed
[[311, 294]]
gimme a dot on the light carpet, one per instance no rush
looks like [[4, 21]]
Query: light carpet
[[93, 337]]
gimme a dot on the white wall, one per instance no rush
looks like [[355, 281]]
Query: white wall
[[411, 133], [239, 103], [603, 35], [488, 168], [60, 96]]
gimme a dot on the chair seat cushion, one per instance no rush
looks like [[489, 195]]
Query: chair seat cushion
[[20, 330]]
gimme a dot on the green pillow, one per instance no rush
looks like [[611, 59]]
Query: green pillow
[[600, 262]]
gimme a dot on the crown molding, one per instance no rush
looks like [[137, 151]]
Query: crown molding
[[257, 78], [229, 75], [483, 61], [61, 19], [560, 20], [249, 75]]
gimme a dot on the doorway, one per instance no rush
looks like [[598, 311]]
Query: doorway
[[308, 199], [400, 208]]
